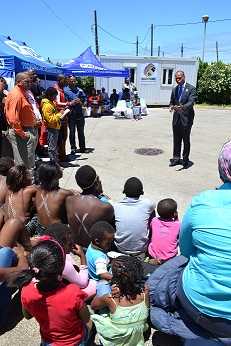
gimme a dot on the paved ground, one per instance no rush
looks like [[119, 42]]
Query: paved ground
[[115, 160]]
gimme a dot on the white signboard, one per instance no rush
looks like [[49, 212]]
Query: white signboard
[[149, 71]]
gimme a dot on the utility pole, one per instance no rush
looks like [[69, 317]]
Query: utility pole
[[217, 51], [182, 50], [152, 40], [137, 46], [96, 34], [158, 51]]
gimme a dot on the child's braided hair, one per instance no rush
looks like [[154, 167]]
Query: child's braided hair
[[128, 276]]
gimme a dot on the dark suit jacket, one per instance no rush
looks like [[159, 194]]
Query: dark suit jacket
[[186, 115]]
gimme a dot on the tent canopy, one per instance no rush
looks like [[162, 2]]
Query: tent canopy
[[87, 64], [16, 56]]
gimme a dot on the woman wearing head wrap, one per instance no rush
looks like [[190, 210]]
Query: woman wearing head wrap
[[191, 296], [205, 239]]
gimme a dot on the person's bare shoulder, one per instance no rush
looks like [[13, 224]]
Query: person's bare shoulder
[[66, 192], [32, 189]]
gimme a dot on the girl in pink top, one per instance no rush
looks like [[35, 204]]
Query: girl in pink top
[[72, 272], [164, 232]]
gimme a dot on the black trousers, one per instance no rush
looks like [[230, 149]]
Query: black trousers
[[181, 134], [77, 123]]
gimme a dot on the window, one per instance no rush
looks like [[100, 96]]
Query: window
[[167, 76]]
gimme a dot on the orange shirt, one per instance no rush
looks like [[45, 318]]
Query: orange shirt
[[19, 112]]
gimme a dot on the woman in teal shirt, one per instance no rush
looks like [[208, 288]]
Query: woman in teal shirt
[[205, 238]]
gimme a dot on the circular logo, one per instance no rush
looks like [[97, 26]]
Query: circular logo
[[149, 70]]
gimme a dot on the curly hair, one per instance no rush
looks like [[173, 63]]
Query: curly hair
[[18, 178], [128, 276]]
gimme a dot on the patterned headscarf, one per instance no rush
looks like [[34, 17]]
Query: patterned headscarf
[[224, 162]]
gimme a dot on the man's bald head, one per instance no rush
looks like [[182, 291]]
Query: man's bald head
[[62, 80], [180, 77], [23, 80]]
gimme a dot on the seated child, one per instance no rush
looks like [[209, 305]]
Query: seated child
[[102, 235], [59, 308], [164, 232], [128, 305]]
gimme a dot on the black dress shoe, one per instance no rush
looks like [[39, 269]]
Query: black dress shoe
[[73, 151], [174, 163], [186, 164]]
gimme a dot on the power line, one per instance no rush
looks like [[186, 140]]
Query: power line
[[62, 21], [114, 36], [192, 23], [176, 24], [145, 36]]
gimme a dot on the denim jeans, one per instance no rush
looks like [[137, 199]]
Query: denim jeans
[[218, 327], [7, 260], [52, 140]]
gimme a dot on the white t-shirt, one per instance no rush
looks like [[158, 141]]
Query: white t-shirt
[[131, 217]]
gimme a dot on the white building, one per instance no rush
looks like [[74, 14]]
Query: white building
[[153, 76]]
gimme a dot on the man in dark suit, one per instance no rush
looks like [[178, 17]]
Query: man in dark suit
[[182, 100]]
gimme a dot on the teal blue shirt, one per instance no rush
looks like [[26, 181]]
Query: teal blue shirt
[[97, 262], [205, 238]]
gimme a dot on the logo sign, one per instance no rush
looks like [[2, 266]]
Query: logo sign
[[91, 66], [2, 63], [149, 72], [24, 50]]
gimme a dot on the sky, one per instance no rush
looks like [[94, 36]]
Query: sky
[[62, 30]]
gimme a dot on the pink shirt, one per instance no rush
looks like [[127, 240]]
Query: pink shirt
[[80, 278], [164, 239]]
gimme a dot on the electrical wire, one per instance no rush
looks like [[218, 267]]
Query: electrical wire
[[145, 36], [192, 23], [114, 36], [62, 21]]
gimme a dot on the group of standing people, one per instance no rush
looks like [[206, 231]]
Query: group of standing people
[[35, 116]]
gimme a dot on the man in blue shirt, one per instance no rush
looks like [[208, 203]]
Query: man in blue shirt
[[76, 117]]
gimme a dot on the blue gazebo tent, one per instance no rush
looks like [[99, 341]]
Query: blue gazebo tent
[[17, 56], [87, 64]]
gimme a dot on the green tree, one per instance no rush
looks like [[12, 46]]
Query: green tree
[[86, 83], [214, 83]]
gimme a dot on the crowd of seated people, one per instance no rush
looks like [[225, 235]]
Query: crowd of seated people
[[125, 103], [68, 249]]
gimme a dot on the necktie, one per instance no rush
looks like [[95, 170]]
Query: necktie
[[180, 87]]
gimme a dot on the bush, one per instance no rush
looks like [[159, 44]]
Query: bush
[[214, 83], [86, 83]]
